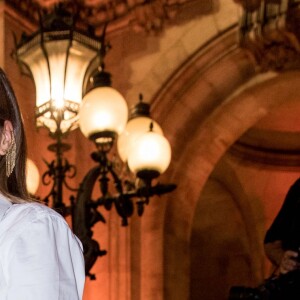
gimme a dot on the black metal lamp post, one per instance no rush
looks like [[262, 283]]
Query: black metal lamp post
[[58, 57]]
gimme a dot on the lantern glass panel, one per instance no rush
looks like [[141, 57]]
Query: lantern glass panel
[[57, 55], [35, 59]]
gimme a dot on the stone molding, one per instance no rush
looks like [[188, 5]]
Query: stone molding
[[149, 15]]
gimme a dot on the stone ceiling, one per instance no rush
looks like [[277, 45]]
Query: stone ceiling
[[146, 15]]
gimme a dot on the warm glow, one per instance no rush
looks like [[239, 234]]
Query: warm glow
[[103, 109], [32, 177], [78, 61], [38, 66], [134, 129], [57, 61], [151, 151], [66, 84]]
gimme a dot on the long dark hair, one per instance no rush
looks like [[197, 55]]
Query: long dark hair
[[14, 186]]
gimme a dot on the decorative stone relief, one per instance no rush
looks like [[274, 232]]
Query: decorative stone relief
[[270, 31], [146, 15]]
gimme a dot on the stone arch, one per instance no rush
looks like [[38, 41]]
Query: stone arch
[[207, 122], [225, 245]]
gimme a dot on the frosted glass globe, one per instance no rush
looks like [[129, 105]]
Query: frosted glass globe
[[103, 109], [151, 151], [133, 130], [32, 177]]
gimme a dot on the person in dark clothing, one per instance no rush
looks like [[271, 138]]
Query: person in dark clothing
[[282, 240]]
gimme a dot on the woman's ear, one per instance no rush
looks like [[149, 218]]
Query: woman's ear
[[6, 137]]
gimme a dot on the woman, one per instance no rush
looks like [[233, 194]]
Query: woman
[[40, 257]]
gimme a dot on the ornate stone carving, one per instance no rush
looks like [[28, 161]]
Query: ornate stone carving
[[147, 15], [271, 34], [278, 50]]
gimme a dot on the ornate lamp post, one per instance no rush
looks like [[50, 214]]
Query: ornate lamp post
[[58, 57]]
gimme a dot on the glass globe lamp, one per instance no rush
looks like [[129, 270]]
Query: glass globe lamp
[[150, 155], [133, 130], [32, 177], [103, 113]]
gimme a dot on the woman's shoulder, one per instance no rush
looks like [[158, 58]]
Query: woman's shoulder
[[33, 210], [22, 215]]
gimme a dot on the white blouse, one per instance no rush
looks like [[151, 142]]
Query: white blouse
[[40, 257]]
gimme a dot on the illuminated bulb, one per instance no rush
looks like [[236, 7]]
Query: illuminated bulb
[[150, 152], [133, 130], [32, 177], [103, 109]]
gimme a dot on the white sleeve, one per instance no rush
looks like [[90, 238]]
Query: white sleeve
[[45, 262]]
